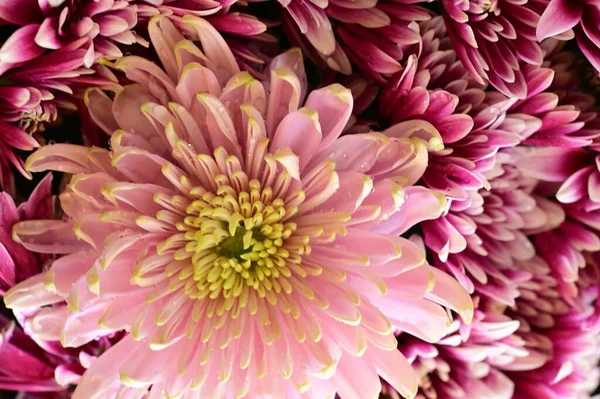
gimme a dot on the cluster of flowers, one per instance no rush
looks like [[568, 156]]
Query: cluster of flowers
[[313, 199]]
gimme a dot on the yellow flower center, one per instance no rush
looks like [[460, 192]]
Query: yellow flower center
[[238, 240]]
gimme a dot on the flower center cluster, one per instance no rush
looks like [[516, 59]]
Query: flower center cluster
[[240, 240], [477, 7], [37, 118]]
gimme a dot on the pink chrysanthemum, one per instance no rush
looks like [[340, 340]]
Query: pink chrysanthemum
[[493, 38], [559, 112], [247, 248], [372, 34], [498, 250]]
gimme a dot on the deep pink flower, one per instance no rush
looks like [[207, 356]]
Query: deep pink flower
[[493, 38], [50, 25], [571, 340], [236, 236], [32, 93], [372, 34], [498, 249], [554, 120], [568, 173]]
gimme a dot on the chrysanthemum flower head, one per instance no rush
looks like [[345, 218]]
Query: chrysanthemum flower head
[[493, 38], [373, 34], [471, 126], [248, 249], [109, 24], [32, 93], [568, 334], [50, 25]]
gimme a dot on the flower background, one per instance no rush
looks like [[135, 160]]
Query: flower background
[[490, 117]]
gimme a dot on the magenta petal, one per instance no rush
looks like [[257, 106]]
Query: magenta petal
[[17, 96], [7, 270], [559, 16], [21, 46], [40, 204], [575, 187], [47, 35], [16, 137]]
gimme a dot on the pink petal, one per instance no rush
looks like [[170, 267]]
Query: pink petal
[[215, 48], [65, 158], [7, 270], [284, 97], [99, 106], [558, 17], [164, 37], [48, 236], [393, 367], [355, 378], [111, 25], [301, 132], [334, 107], [448, 292], [420, 204], [31, 293], [47, 35], [575, 187], [17, 138], [21, 46]]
